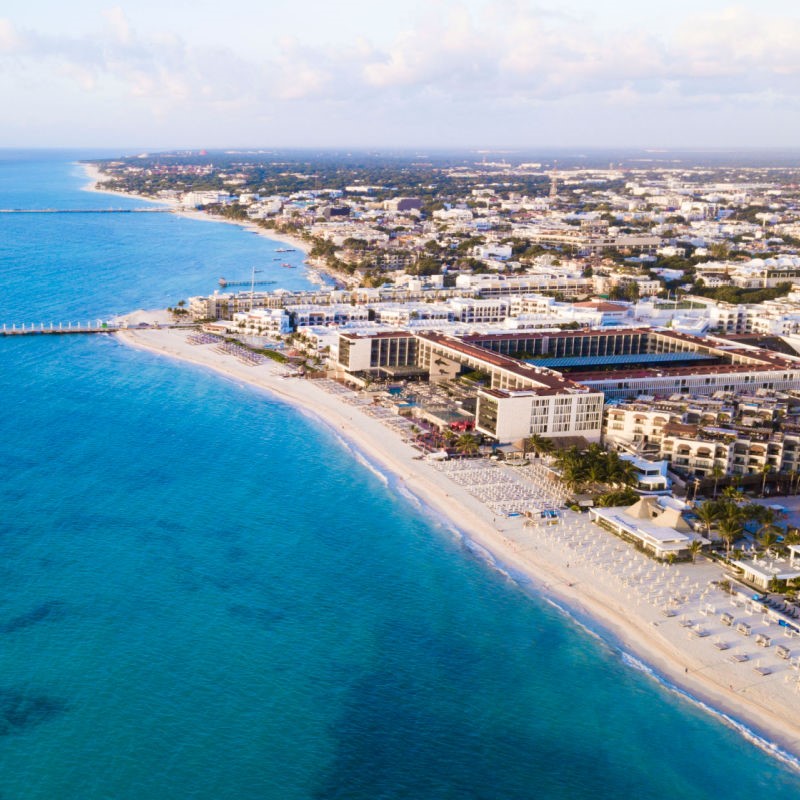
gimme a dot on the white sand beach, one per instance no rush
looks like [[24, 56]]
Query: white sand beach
[[668, 616], [96, 176]]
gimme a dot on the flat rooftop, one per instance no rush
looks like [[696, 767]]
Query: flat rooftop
[[542, 379], [666, 372], [610, 361]]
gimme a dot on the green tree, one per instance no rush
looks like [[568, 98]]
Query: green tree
[[716, 473], [571, 467], [731, 493], [730, 529], [768, 535], [539, 445], [626, 473], [467, 444], [694, 549], [765, 470], [708, 514]]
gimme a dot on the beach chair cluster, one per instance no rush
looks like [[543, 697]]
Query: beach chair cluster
[[749, 626], [203, 338], [241, 354], [400, 425], [781, 606], [739, 628], [334, 388], [505, 491]]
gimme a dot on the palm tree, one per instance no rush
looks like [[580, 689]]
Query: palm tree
[[730, 528], [793, 476], [627, 473], [768, 535], [694, 548], [708, 514], [467, 444], [596, 472], [760, 514], [792, 536], [573, 475], [765, 470], [538, 445], [571, 464], [594, 450], [716, 473], [731, 493]]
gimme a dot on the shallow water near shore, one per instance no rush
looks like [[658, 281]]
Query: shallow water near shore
[[204, 595]]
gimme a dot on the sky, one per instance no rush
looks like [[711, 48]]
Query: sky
[[513, 74]]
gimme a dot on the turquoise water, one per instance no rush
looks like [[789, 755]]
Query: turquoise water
[[203, 594]]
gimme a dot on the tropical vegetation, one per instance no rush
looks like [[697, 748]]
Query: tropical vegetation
[[594, 469]]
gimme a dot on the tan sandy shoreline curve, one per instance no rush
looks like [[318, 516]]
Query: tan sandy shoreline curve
[[95, 176], [769, 706], [771, 709]]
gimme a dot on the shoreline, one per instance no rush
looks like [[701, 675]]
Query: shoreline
[[688, 667], [95, 175], [632, 635]]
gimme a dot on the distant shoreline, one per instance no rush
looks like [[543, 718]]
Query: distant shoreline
[[693, 665], [96, 175]]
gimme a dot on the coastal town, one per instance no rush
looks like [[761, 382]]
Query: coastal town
[[601, 365], [401, 400]]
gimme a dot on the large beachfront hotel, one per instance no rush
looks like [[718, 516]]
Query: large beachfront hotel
[[555, 384]]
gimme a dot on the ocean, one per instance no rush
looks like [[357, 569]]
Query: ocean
[[204, 594]]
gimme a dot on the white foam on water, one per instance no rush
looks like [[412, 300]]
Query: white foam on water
[[746, 732]]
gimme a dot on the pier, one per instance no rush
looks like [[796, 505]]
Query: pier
[[59, 328], [86, 210], [223, 282]]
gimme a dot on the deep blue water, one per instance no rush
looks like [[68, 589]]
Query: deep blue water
[[204, 595]]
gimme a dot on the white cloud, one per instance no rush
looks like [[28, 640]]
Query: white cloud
[[119, 24], [9, 39], [505, 55]]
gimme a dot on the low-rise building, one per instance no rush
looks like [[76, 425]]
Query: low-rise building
[[263, 321], [652, 522]]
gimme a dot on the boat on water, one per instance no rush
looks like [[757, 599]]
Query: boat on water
[[284, 250], [286, 265]]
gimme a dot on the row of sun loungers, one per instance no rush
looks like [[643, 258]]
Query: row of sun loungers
[[240, 353], [662, 587], [503, 489], [784, 608], [203, 338]]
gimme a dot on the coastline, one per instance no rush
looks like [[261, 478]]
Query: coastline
[[95, 175], [677, 664], [769, 706]]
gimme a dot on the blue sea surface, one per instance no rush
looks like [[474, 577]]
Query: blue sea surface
[[204, 595], [81, 267]]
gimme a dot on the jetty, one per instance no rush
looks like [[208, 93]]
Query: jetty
[[86, 210], [59, 328], [223, 282]]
